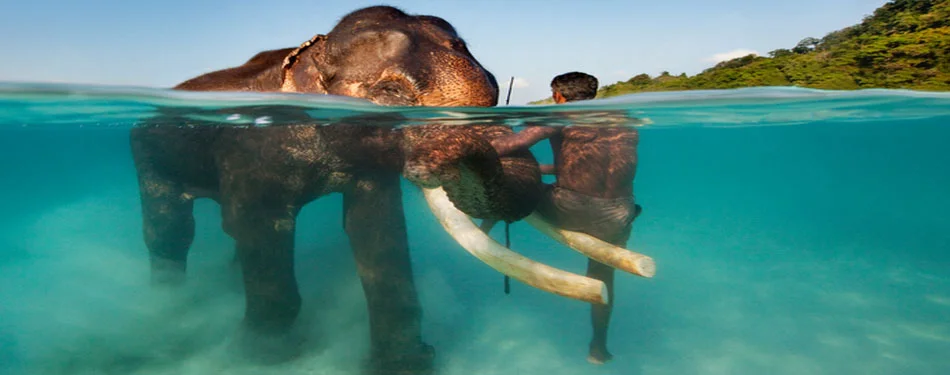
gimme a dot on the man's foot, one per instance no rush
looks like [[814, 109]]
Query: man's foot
[[599, 356]]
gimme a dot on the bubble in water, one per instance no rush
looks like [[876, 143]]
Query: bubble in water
[[263, 120]]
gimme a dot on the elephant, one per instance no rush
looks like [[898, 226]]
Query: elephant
[[263, 176]]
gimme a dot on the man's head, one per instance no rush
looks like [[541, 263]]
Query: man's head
[[573, 86]]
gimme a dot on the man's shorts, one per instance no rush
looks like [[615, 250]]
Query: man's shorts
[[607, 219]]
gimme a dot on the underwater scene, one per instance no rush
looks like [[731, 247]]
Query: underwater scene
[[793, 231]]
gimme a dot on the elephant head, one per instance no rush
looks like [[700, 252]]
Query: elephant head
[[388, 57], [380, 54]]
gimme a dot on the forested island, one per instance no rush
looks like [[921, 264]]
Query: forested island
[[904, 44]]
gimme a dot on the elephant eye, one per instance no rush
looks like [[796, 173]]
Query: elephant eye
[[392, 92], [390, 87]]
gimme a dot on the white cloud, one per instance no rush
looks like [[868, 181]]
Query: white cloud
[[520, 83], [736, 53]]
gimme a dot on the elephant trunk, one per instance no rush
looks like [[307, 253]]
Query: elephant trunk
[[462, 176], [461, 160]]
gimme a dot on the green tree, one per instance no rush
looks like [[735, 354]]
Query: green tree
[[640, 79], [781, 52], [806, 45]]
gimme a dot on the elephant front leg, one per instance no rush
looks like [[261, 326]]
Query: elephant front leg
[[264, 239], [168, 225], [376, 226]]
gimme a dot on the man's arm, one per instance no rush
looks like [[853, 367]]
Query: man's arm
[[523, 139]]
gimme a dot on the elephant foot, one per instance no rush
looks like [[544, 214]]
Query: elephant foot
[[599, 355], [167, 272], [268, 348], [418, 362]]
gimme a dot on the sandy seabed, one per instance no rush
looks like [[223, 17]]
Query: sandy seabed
[[78, 302]]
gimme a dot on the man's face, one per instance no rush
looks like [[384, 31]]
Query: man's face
[[558, 98]]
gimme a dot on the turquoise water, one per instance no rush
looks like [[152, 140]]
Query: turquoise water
[[795, 232]]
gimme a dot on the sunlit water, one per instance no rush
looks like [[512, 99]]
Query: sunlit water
[[795, 232]]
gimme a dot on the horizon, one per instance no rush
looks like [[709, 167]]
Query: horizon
[[214, 35]]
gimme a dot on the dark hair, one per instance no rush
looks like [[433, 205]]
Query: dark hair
[[575, 86]]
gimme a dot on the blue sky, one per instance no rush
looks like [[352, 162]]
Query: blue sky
[[160, 43]]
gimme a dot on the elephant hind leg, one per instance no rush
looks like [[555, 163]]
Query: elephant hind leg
[[168, 225], [376, 226]]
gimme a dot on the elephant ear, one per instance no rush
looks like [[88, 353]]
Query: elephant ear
[[301, 72]]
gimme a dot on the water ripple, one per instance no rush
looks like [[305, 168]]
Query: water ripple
[[57, 105]]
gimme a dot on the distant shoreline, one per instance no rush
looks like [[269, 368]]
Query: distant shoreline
[[903, 45]]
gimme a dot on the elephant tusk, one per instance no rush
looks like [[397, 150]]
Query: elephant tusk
[[508, 262], [596, 249]]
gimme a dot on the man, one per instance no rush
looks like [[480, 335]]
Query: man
[[593, 192]]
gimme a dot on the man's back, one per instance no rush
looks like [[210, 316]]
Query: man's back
[[595, 161]]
